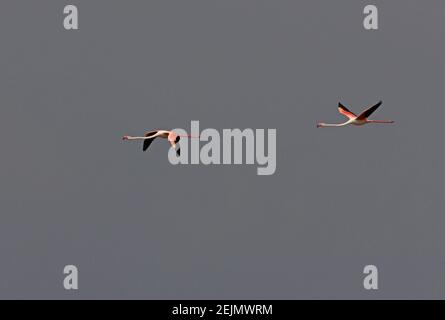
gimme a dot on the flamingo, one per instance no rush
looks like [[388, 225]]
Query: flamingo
[[353, 119], [148, 138]]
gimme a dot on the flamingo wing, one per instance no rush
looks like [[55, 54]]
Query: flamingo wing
[[174, 140], [365, 114], [172, 137], [346, 112], [147, 142]]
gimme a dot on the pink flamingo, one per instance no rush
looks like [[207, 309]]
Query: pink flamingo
[[353, 119], [148, 138]]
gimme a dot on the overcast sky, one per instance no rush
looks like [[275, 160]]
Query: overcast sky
[[137, 227]]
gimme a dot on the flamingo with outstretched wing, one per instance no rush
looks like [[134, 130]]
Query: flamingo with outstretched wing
[[150, 136], [353, 119]]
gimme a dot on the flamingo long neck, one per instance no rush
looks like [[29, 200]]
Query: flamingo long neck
[[136, 138], [333, 124]]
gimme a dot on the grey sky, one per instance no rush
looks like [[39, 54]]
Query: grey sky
[[73, 193]]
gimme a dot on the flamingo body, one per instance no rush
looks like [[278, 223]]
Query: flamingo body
[[353, 119], [150, 136]]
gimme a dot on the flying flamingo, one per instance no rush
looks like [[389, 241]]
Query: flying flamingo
[[148, 138], [353, 119]]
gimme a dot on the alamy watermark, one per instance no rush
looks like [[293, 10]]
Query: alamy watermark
[[71, 280], [228, 148], [371, 281]]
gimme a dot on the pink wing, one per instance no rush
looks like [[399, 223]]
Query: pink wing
[[365, 114], [172, 136], [344, 111]]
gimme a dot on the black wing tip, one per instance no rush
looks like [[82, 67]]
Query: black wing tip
[[146, 144]]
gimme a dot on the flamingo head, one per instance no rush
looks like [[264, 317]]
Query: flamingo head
[[125, 138], [320, 125]]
